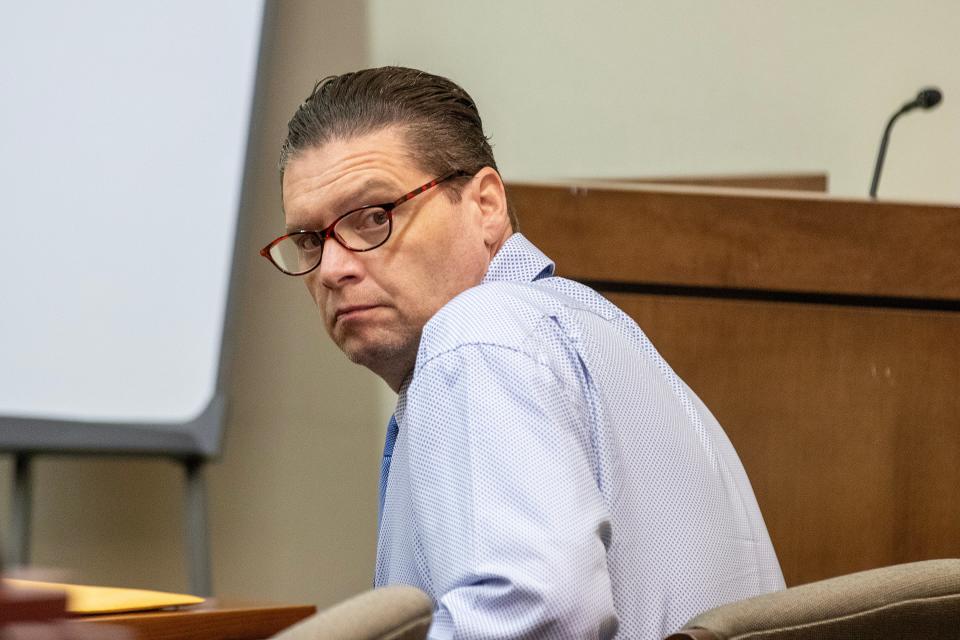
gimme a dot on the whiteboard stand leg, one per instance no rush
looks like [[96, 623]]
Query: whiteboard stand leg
[[19, 551], [196, 535]]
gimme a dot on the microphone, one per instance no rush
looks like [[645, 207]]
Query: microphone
[[926, 99], [929, 97]]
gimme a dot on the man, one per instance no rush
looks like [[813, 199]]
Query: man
[[546, 474]]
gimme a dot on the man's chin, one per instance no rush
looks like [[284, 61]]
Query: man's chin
[[387, 352], [377, 355]]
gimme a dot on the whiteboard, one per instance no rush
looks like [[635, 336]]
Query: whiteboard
[[123, 132]]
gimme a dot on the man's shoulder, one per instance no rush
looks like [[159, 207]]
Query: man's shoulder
[[509, 314], [494, 313]]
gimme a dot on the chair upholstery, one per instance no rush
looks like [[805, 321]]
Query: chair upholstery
[[388, 613], [919, 599]]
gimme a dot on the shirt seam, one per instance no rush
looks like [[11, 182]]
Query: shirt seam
[[495, 345]]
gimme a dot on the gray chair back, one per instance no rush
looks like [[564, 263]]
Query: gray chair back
[[915, 600], [388, 613]]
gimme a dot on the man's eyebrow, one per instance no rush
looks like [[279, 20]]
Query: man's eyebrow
[[367, 193]]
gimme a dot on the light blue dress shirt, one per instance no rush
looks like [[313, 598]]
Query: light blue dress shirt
[[550, 476]]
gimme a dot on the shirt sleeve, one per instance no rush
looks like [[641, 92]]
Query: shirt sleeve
[[512, 524]]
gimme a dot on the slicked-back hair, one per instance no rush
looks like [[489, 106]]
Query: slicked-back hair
[[440, 121]]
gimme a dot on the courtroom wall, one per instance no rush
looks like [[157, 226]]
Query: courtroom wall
[[653, 88]]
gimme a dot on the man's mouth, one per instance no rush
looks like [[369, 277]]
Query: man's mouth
[[352, 311]]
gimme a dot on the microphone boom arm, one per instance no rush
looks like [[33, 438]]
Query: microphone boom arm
[[926, 99], [882, 153]]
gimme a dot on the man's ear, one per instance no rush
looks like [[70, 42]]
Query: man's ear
[[490, 197]]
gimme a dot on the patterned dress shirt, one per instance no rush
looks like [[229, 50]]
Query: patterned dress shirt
[[548, 475]]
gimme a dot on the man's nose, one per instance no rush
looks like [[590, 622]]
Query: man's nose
[[338, 265]]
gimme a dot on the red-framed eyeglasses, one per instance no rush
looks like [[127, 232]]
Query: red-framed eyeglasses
[[361, 229]]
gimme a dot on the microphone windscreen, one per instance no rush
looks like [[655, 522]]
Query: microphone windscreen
[[929, 97]]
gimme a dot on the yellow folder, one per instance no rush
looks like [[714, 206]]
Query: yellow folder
[[83, 599]]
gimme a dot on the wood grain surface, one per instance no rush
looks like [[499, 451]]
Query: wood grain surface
[[213, 620], [817, 182], [728, 238]]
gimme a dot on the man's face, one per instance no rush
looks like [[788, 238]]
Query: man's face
[[374, 304]]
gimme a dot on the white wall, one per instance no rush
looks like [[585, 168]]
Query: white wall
[[653, 88]]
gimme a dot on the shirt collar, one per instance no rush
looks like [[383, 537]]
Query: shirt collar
[[518, 261], [400, 411]]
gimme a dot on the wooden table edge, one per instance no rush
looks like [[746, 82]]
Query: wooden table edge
[[209, 621]]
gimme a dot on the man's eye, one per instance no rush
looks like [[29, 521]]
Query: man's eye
[[370, 219], [308, 241]]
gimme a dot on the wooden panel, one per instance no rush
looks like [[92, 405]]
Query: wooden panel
[[743, 239], [212, 620], [816, 182], [847, 421]]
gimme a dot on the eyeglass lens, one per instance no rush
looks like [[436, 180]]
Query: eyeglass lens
[[359, 230]]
